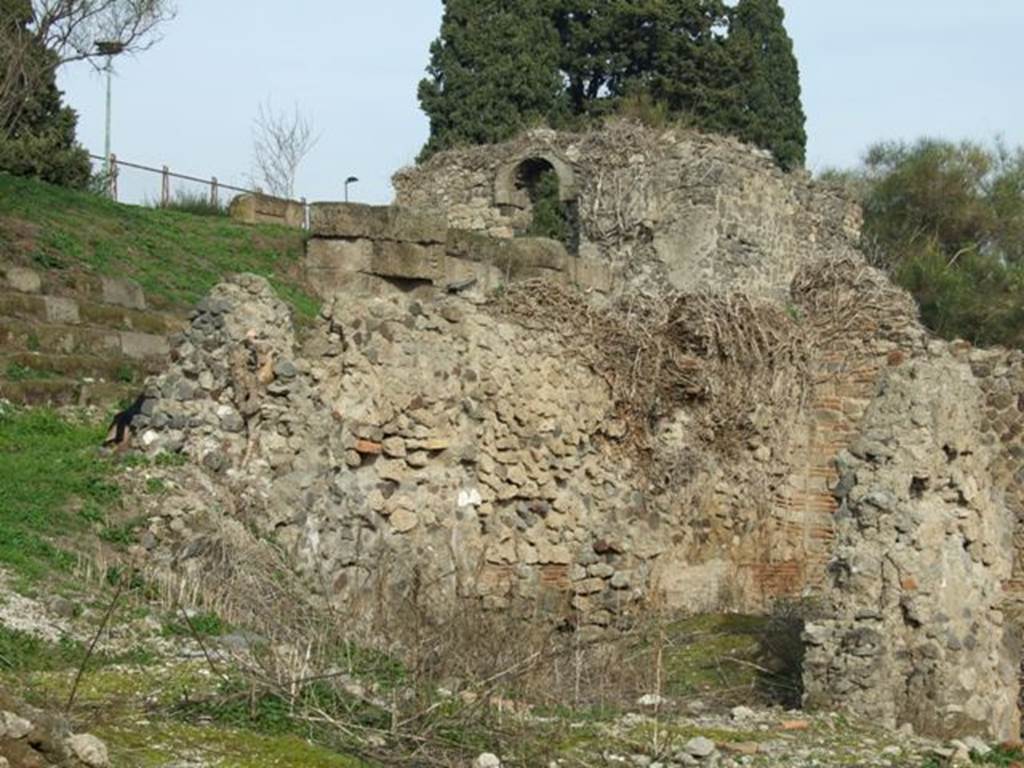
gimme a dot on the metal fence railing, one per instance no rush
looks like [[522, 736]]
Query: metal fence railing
[[111, 171]]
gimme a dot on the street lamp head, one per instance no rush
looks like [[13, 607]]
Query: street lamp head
[[351, 180], [110, 47]]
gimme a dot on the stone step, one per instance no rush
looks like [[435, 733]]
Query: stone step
[[18, 335], [73, 284], [68, 311], [110, 368], [58, 392]]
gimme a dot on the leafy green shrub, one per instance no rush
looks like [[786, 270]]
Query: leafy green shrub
[[19, 372], [37, 132], [946, 220]]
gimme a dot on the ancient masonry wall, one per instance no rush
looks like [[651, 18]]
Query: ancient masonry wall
[[917, 625], [411, 442], [380, 250], [439, 406], [666, 207], [425, 433]]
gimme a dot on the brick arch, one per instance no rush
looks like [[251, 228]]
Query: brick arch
[[507, 190]]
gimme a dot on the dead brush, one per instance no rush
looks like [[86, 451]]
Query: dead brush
[[401, 673], [741, 365]]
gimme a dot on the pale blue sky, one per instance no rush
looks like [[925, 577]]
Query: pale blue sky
[[871, 69]]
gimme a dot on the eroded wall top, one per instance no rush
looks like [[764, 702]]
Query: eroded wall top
[[696, 211]]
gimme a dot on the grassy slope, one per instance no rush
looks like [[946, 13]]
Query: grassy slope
[[48, 468], [176, 257]]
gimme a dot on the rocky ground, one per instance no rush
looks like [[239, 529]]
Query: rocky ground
[[158, 693]]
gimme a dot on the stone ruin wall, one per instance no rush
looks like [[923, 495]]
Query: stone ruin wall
[[379, 250], [406, 424], [696, 211], [420, 437], [410, 441], [921, 622]]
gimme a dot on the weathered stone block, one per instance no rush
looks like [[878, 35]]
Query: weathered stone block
[[324, 254], [354, 220], [61, 310], [122, 292], [264, 209], [140, 346], [410, 261], [539, 252], [472, 246], [23, 280]]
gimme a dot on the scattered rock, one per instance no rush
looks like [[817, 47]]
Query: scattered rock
[[487, 760], [14, 727], [741, 713], [651, 700], [89, 750], [699, 747]]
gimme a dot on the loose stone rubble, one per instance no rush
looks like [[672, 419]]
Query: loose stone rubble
[[30, 738]]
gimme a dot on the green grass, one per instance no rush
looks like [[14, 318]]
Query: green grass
[[21, 652], [203, 624], [175, 256], [19, 372], [196, 203], [49, 465], [160, 743], [733, 657], [1000, 755]]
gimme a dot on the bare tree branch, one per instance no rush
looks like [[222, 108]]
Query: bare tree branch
[[38, 36], [71, 28], [281, 141]]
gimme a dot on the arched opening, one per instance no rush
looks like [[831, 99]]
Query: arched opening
[[540, 196]]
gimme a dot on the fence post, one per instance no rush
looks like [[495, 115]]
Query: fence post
[[165, 187], [214, 193], [305, 214], [112, 176]]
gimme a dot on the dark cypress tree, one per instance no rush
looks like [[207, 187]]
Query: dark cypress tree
[[691, 70], [37, 132], [500, 66], [769, 111], [665, 51], [493, 72]]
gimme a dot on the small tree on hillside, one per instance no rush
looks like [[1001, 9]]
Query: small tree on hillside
[[281, 141], [37, 133]]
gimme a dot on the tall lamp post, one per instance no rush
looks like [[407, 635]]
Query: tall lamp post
[[349, 180], [110, 49]]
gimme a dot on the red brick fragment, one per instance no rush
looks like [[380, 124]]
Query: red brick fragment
[[369, 448]]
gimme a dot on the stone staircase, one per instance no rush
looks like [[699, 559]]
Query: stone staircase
[[75, 339]]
